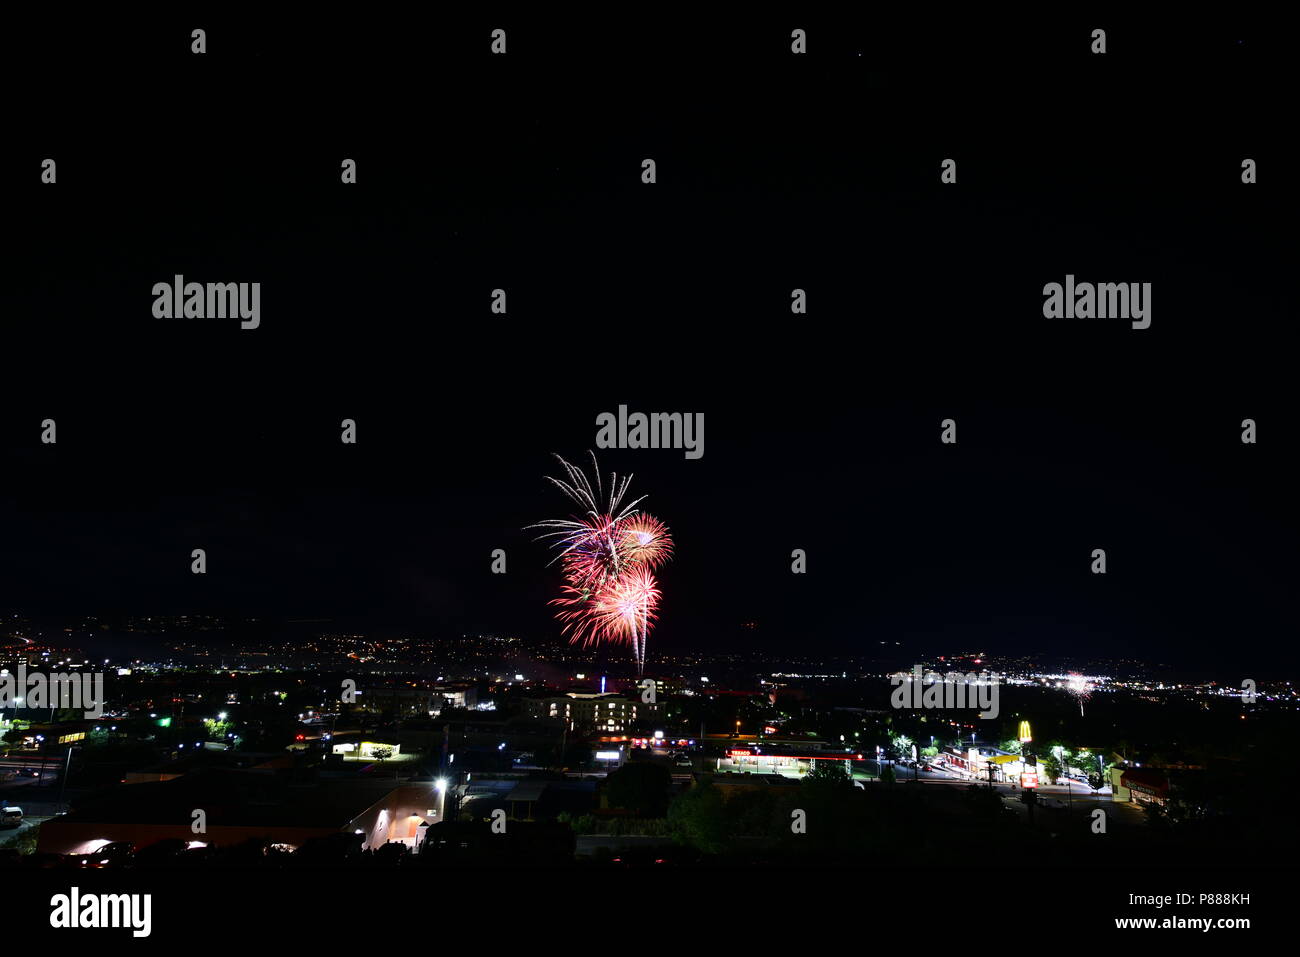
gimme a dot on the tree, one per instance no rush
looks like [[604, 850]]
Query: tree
[[1012, 746], [1051, 766], [1155, 815], [24, 842], [696, 819], [944, 737], [1083, 760], [641, 788], [753, 813], [832, 772], [984, 801], [216, 729]]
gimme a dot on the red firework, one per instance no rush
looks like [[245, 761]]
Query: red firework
[[608, 554], [591, 555], [619, 611]]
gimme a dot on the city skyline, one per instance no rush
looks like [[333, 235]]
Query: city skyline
[[983, 543]]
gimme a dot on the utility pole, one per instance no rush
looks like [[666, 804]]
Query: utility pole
[[64, 782]]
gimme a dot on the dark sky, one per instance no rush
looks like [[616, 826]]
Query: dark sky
[[822, 432]]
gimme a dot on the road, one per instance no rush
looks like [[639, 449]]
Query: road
[[905, 773], [10, 833], [1053, 799], [48, 778]]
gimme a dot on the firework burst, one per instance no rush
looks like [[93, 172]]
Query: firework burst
[[608, 553], [644, 540], [620, 611], [586, 543], [1080, 687]]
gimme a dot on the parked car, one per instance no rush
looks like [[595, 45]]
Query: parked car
[[29, 773], [110, 855], [11, 816]]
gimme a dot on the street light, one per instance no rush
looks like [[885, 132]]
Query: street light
[[441, 786]]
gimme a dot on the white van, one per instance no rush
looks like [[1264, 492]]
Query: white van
[[11, 816]]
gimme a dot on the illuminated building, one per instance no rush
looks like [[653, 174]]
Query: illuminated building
[[591, 712]]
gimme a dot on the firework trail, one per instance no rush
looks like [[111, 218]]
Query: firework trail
[[608, 553]]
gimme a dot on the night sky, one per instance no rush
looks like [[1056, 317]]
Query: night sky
[[822, 431]]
